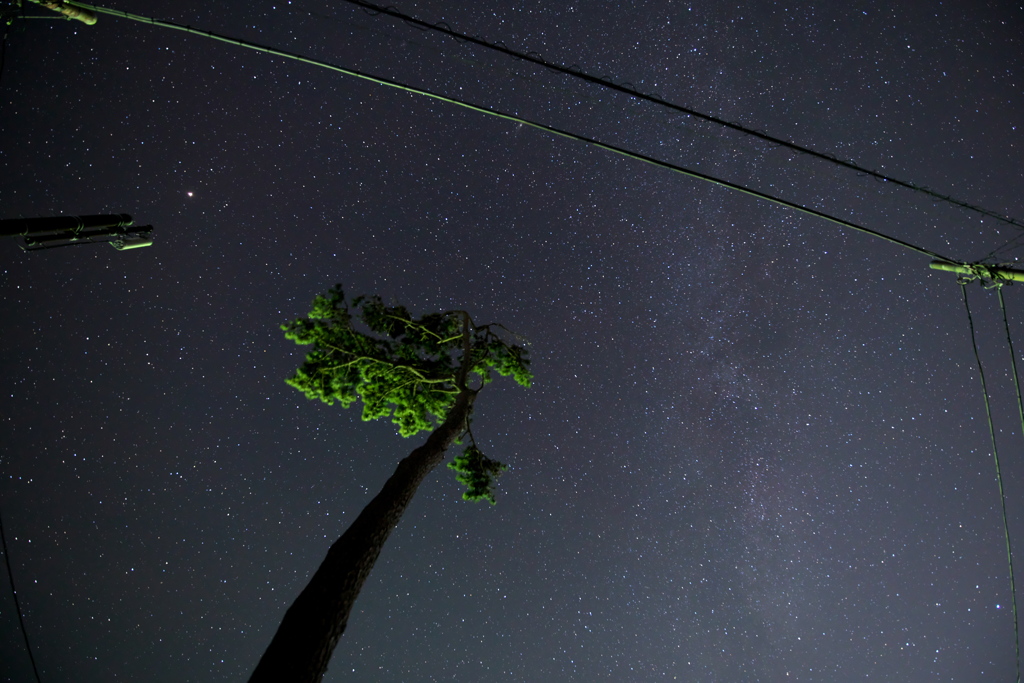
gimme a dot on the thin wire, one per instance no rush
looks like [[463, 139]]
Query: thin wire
[[1008, 245], [1020, 410], [633, 92], [999, 472], [1013, 358], [380, 80], [17, 604]]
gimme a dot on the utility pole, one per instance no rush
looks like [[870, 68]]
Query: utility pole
[[66, 231]]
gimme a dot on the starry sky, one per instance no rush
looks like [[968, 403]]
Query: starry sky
[[755, 448]]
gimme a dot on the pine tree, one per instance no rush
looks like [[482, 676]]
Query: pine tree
[[419, 372]]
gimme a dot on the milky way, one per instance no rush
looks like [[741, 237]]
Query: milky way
[[755, 449]]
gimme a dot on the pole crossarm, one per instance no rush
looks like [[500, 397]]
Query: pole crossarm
[[62, 231], [996, 274], [69, 10]]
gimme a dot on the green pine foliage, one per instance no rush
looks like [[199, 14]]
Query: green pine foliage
[[478, 473], [409, 369]]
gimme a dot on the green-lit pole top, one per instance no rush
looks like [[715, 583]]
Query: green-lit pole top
[[994, 273]]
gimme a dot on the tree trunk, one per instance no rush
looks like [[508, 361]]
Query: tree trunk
[[302, 646]]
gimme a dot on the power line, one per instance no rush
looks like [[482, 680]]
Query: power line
[[1020, 410], [575, 72], [17, 604], [380, 80], [995, 453]]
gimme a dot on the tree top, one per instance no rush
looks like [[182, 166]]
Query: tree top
[[409, 369]]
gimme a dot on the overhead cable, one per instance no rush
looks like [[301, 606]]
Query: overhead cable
[[1020, 410], [995, 454], [627, 89], [17, 603], [380, 80]]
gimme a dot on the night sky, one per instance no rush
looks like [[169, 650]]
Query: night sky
[[755, 448]]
